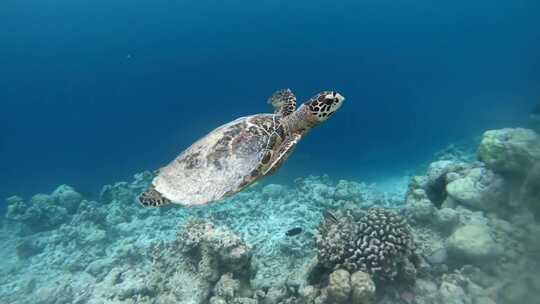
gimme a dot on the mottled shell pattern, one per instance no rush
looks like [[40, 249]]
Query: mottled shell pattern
[[229, 158]]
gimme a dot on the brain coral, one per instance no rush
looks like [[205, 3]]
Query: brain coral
[[377, 242]]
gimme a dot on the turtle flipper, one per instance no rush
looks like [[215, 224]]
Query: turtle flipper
[[284, 102], [152, 198], [286, 148]]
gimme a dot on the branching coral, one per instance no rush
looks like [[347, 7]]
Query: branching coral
[[377, 242]]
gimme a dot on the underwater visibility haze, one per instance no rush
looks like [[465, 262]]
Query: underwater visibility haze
[[423, 187]]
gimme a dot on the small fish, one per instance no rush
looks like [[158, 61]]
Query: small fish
[[294, 231]]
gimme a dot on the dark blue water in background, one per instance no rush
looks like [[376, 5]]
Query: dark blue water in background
[[92, 91]]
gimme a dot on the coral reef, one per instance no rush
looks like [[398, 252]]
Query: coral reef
[[363, 288], [479, 188], [510, 150], [39, 215], [472, 221], [473, 242], [339, 286], [202, 258], [44, 211], [530, 190], [377, 243], [478, 213], [462, 151], [115, 251]]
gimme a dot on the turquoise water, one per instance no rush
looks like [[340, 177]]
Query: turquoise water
[[96, 91], [96, 95]]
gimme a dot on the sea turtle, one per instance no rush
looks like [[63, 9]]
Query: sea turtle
[[236, 154]]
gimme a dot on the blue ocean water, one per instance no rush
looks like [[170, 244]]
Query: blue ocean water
[[95, 91]]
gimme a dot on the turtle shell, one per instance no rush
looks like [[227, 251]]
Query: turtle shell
[[222, 163]]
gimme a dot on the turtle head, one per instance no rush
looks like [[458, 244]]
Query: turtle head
[[324, 104]]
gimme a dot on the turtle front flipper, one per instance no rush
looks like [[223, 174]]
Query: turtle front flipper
[[152, 198], [286, 148], [284, 102]]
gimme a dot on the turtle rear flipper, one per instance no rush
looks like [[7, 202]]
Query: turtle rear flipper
[[284, 102], [152, 198]]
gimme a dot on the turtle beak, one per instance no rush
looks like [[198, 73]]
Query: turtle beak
[[340, 97], [339, 102]]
